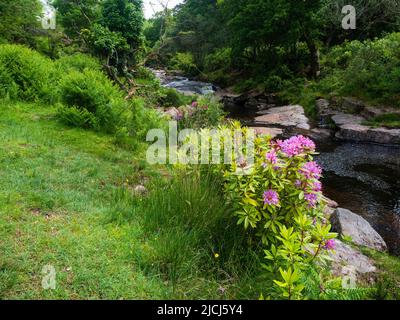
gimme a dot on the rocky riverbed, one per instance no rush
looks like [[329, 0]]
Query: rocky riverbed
[[361, 164]]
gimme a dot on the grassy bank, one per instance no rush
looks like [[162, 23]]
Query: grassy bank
[[66, 200]]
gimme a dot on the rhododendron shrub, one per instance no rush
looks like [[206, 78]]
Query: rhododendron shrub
[[280, 203]]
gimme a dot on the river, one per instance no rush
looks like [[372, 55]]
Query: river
[[364, 178]]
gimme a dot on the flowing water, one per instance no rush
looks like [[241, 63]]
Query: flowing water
[[363, 178]]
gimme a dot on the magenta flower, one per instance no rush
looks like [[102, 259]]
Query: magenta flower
[[316, 186], [306, 143], [296, 145], [312, 199], [298, 184], [330, 244], [195, 104], [311, 170], [272, 157], [271, 197]]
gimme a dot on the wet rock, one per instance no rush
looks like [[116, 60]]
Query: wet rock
[[352, 225], [362, 133], [320, 134], [351, 264], [287, 116], [273, 132], [341, 119], [352, 105], [372, 112], [351, 128]]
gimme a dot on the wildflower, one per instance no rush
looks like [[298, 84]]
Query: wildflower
[[179, 115], [296, 145], [311, 170], [216, 255], [330, 244], [298, 184], [271, 197], [312, 199], [272, 157], [316, 186], [195, 104]]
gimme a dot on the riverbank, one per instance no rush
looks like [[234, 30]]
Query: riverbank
[[363, 177]]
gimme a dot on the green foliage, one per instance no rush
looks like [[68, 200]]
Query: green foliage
[[91, 93], [143, 119], [171, 98], [125, 18], [184, 61], [105, 43], [388, 282], [280, 204], [217, 66], [19, 20], [389, 120], [207, 112], [25, 74], [194, 243], [77, 62], [77, 15], [368, 70], [373, 71]]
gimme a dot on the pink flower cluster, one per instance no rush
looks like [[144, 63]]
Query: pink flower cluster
[[271, 157], [271, 197], [312, 199], [311, 170], [296, 145], [330, 244]]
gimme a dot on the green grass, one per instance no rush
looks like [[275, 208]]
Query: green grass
[[388, 281], [389, 120], [66, 200], [56, 185]]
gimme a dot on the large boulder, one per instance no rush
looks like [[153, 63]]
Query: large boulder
[[351, 128], [352, 225], [350, 264], [342, 119], [286, 116], [362, 133]]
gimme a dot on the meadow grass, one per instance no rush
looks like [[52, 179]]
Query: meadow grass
[[67, 200]]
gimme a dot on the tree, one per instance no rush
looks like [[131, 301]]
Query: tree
[[374, 18], [259, 26], [77, 15], [125, 17], [19, 20]]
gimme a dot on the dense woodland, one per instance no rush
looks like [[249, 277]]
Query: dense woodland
[[77, 103]]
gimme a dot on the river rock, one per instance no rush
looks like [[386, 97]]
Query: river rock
[[352, 105], [320, 134], [341, 119], [273, 132], [362, 133], [348, 261], [352, 225], [172, 112], [287, 116]]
